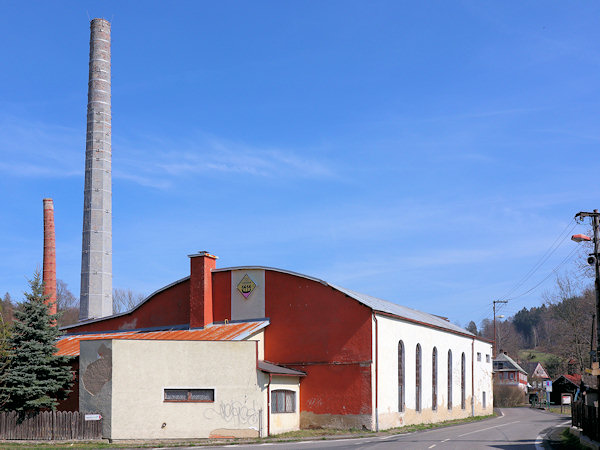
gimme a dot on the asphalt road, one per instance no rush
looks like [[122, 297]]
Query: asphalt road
[[518, 428]]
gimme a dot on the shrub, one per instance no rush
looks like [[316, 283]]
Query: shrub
[[508, 396]]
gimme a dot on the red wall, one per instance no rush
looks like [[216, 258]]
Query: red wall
[[168, 307], [71, 403], [221, 296], [319, 330]]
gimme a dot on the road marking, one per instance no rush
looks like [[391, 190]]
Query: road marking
[[539, 441], [431, 446], [489, 428], [445, 440]]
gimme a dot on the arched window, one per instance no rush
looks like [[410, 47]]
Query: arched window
[[463, 373], [449, 380], [434, 370], [418, 379], [400, 376]]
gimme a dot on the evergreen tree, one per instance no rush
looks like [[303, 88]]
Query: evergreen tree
[[472, 327], [35, 377]]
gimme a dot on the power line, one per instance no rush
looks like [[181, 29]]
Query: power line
[[569, 256], [555, 245]]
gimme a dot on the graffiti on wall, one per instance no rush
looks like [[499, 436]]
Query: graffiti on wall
[[234, 412]]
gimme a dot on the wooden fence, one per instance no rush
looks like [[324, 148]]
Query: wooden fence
[[586, 417], [50, 425]]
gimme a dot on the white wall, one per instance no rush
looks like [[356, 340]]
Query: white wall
[[282, 422], [141, 370], [390, 332], [253, 307], [483, 379]]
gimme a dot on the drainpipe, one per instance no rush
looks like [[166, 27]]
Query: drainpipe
[[376, 373], [269, 406], [473, 378]]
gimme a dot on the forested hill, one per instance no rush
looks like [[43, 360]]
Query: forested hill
[[556, 333]]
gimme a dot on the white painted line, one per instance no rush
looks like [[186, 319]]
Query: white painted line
[[489, 428], [445, 440], [539, 441], [389, 437], [431, 446]]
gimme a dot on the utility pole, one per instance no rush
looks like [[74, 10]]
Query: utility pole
[[494, 302], [595, 215]]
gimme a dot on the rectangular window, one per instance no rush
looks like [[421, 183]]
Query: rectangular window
[[189, 395], [283, 401], [478, 356], [484, 406], [487, 358]]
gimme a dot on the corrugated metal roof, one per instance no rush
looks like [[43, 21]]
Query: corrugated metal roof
[[268, 367], [69, 344], [378, 304], [374, 303]]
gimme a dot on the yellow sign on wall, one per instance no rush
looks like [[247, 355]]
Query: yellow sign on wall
[[246, 286]]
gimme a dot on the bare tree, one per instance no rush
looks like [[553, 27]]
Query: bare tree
[[66, 304], [571, 311], [8, 308], [125, 300], [507, 338]]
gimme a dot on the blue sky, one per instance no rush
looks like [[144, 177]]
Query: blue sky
[[427, 153]]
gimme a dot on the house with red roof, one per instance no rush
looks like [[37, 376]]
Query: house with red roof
[[564, 384]]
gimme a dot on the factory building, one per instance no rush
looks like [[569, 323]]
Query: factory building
[[249, 351]]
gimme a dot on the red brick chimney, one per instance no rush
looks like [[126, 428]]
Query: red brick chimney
[[49, 270], [201, 298]]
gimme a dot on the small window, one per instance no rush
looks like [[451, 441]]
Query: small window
[[478, 356], [487, 358], [283, 401], [189, 395], [484, 406]]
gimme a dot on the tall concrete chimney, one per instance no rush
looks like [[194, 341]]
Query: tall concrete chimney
[[96, 258], [49, 270]]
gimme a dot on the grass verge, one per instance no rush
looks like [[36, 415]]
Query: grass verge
[[568, 441], [292, 436]]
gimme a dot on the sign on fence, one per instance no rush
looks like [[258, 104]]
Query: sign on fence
[[50, 425], [93, 417]]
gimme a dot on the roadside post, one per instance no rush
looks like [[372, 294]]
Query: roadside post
[[565, 399], [548, 386]]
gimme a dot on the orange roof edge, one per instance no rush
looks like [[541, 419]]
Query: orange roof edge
[[238, 331]]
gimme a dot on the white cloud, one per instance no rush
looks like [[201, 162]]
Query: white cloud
[[36, 149], [204, 155]]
